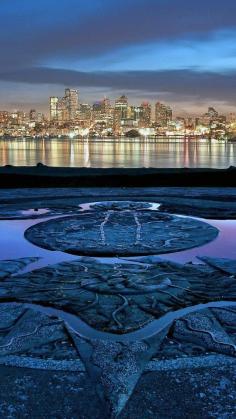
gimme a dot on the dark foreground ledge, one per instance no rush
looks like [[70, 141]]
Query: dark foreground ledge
[[46, 177]]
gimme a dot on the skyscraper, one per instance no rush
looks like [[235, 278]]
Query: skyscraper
[[72, 102], [120, 111], [53, 108], [32, 115], [163, 114], [62, 111], [212, 113], [85, 111], [145, 115], [121, 105], [97, 110], [106, 106]]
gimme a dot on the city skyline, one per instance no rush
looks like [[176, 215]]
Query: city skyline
[[177, 112], [70, 118], [180, 53]]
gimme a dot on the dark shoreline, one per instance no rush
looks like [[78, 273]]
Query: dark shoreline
[[41, 176]]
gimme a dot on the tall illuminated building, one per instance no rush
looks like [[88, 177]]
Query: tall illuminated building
[[54, 108], [145, 115], [120, 111], [72, 102], [97, 111], [32, 115], [212, 113], [106, 106], [163, 114], [4, 117], [232, 117], [121, 105], [85, 111], [63, 115]]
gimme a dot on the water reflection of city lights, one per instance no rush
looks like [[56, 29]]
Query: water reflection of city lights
[[110, 152]]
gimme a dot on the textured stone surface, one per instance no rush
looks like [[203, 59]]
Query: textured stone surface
[[227, 318], [118, 297], [121, 297], [200, 391], [28, 393], [9, 267], [196, 391], [225, 265], [120, 206], [116, 367], [197, 334], [31, 330], [30, 333], [203, 330], [178, 382], [121, 232]]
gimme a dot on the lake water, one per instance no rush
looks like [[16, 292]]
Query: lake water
[[129, 153]]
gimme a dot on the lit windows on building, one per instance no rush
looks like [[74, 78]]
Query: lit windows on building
[[163, 114], [54, 108]]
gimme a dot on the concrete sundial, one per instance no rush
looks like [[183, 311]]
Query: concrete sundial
[[118, 297], [125, 229], [39, 339]]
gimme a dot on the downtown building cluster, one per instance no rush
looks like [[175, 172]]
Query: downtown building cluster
[[120, 118], [105, 118], [68, 117]]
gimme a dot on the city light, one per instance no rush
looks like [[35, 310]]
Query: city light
[[68, 118]]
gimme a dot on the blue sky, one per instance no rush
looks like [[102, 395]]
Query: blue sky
[[178, 51]]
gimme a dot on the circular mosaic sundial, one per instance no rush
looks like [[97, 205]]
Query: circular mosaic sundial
[[121, 231]]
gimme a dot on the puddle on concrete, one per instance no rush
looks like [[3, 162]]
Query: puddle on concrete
[[13, 245]]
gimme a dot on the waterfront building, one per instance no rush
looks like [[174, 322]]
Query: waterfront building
[[97, 111], [62, 110], [54, 108], [72, 102], [145, 115], [140, 114], [231, 118], [121, 105], [33, 115], [4, 117], [120, 112], [40, 118], [85, 112], [163, 114], [106, 106], [212, 113]]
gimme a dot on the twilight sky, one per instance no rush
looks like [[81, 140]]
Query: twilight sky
[[178, 51]]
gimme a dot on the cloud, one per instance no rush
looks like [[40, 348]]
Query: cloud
[[48, 42], [33, 32], [173, 82]]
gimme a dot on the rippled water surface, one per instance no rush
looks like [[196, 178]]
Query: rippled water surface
[[128, 153]]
